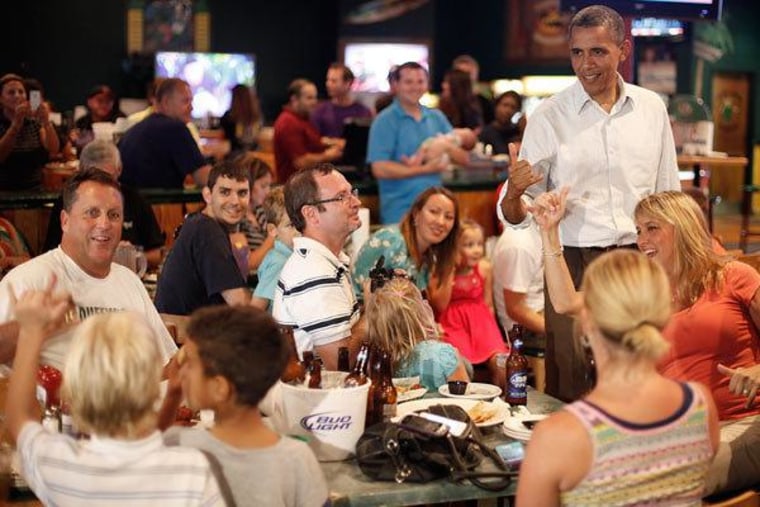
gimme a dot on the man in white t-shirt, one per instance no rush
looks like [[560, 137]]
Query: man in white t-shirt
[[91, 221], [518, 281], [315, 295]]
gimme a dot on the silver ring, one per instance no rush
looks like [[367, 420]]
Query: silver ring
[[745, 392]]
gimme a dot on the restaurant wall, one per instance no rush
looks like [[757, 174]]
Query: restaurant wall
[[71, 46]]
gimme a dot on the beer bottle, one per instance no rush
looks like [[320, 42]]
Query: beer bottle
[[308, 357], [358, 375], [343, 359], [517, 371], [315, 373], [294, 370], [385, 396]]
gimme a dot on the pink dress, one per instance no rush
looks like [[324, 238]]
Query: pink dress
[[468, 323]]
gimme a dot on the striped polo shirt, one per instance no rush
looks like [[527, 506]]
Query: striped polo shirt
[[314, 295]]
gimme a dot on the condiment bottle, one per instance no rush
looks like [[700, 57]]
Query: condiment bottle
[[358, 375], [517, 370], [294, 370]]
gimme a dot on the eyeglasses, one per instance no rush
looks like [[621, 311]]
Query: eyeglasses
[[341, 198]]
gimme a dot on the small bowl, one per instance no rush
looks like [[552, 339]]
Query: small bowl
[[458, 387]]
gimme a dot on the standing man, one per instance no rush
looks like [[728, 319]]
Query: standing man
[[83, 266], [470, 65], [394, 138], [330, 116], [201, 269], [159, 152], [315, 294], [297, 144], [611, 143]]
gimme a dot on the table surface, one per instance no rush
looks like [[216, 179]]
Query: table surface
[[712, 161], [349, 487]]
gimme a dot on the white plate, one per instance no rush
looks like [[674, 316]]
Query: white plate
[[514, 427], [412, 394], [475, 391], [502, 409]]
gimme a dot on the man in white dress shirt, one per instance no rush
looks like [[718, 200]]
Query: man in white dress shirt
[[611, 143]]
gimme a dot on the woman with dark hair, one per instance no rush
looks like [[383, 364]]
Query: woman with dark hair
[[27, 138], [458, 102], [424, 244], [506, 127], [242, 123]]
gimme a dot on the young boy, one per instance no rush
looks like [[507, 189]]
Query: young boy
[[111, 379], [231, 358], [269, 271]]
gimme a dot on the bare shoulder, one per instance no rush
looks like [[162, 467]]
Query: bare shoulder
[[484, 266]]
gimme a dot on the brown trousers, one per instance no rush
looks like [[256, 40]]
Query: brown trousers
[[568, 372]]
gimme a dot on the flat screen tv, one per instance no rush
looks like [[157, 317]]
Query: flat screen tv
[[370, 60], [677, 9], [211, 77]]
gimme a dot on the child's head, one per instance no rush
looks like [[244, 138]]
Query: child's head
[[277, 216], [111, 376], [232, 352], [398, 318], [261, 177], [471, 242]]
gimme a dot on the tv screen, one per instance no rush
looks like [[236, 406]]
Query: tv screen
[[370, 61], [678, 9], [211, 77]]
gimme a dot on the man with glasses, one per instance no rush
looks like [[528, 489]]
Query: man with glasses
[[314, 295]]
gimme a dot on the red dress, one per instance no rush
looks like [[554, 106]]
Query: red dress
[[467, 322]]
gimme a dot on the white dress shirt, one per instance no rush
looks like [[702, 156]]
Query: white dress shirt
[[610, 161]]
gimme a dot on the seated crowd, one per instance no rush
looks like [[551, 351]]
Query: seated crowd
[[672, 328]]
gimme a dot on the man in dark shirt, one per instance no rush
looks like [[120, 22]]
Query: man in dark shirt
[[159, 152], [200, 270], [140, 226]]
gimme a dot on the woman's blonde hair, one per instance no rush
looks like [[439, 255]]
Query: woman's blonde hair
[[696, 266], [398, 318], [111, 376], [628, 297]]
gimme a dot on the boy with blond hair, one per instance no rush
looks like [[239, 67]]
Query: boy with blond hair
[[111, 380], [231, 358], [278, 223]]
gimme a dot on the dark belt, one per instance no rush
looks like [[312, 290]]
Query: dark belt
[[601, 249]]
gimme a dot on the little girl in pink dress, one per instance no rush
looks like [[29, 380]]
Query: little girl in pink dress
[[468, 321]]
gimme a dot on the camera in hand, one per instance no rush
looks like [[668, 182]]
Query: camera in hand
[[379, 275]]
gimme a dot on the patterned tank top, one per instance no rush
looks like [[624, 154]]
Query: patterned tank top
[[662, 463]]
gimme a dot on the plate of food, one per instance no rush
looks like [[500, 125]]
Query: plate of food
[[408, 388], [482, 413], [474, 391]]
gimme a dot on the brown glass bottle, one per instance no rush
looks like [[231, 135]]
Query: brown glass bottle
[[343, 364], [294, 370], [308, 357], [385, 396], [358, 375], [517, 371], [315, 373]]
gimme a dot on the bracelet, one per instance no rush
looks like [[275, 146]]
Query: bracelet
[[556, 253]]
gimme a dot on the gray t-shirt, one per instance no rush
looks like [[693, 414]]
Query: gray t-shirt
[[284, 475]]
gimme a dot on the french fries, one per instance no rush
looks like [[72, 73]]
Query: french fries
[[481, 412]]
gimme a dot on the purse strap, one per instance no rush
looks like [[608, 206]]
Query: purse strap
[[392, 448], [460, 471]]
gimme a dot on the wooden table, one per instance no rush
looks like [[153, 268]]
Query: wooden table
[[703, 166]]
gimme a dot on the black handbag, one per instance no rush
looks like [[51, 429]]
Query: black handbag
[[388, 452]]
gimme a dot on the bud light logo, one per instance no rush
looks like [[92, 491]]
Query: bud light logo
[[327, 421], [518, 381]]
